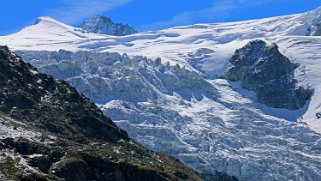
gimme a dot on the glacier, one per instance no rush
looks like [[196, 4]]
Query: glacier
[[165, 88], [211, 125]]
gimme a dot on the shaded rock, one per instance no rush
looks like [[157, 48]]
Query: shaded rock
[[42, 162], [243, 59], [25, 146], [264, 70], [219, 176], [72, 169]]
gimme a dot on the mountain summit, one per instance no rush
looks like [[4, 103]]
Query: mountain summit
[[104, 25]]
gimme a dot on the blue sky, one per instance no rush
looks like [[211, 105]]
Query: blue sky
[[146, 14]]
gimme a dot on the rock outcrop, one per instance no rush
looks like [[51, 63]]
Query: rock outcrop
[[264, 70], [104, 25], [49, 131]]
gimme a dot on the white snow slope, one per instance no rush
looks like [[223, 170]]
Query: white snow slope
[[179, 104]]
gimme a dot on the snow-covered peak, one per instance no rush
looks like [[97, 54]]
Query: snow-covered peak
[[104, 25], [100, 19], [311, 21], [51, 35], [47, 33], [315, 14], [46, 20], [48, 25]]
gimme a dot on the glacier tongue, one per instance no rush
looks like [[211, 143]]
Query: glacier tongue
[[211, 125]]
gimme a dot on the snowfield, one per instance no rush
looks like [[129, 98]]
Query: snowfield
[[179, 104]]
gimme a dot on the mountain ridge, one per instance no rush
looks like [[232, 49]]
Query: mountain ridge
[[104, 25]]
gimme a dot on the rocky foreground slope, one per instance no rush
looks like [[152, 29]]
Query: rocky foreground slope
[[50, 132]]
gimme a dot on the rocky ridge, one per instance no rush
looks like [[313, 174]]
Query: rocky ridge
[[104, 25], [264, 70]]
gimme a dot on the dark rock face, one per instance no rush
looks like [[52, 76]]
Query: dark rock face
[[29, 96], [243, 59], [104, 25], [77, 142], [264, 70]]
